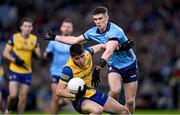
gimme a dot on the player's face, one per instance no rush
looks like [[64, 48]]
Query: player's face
[[101, 21], [26, 28], [79, 60], [66, 28]]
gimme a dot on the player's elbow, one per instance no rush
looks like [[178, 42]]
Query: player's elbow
[[4, 54]]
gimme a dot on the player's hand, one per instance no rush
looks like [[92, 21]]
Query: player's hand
[[19, 61], [127, 45], [95, 77], [81, 93], [46, 34]]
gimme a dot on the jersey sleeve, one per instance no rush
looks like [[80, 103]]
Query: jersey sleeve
[[90, 50], [11, 41], [66, 74], [50, 47], [87, 34], [119, 35]]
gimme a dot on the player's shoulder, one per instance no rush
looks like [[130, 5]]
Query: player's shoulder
[[16, 34], [115, 26], [89, 51], [92, 29], [33, 36], [67, 68]]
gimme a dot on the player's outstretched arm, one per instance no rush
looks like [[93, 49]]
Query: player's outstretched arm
[[46, 34], [70, 39], [111, 46], [98, 47]]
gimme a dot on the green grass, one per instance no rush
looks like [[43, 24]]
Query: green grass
[[158, 112], [137, 112]]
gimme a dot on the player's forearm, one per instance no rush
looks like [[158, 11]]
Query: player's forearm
[[110, 48], [64, 93], [67, 40], [8, 56], [99, 47], [107, 54]]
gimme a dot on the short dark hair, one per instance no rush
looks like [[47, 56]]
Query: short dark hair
[[99, 10], [76, 49], [67, 20], [26, 19]]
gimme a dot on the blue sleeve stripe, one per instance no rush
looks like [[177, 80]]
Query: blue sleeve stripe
[[90, 50], [116, 39], [67, 74], [11, 41]]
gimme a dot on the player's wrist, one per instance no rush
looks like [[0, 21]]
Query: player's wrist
[[102, 63]]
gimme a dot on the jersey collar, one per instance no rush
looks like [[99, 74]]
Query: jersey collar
[[107, 29]]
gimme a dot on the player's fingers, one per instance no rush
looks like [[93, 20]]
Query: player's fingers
[[79, 89]]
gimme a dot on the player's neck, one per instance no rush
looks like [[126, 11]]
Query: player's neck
[[104, 29], [24, 35]]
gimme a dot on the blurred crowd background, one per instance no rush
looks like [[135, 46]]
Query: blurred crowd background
[[154, 25]]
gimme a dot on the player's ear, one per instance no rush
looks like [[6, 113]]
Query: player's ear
[[107, 17], [21, 27], [32, 28]]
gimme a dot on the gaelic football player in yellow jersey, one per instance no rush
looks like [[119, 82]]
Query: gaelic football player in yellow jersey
[[89, 101], [19, 51]]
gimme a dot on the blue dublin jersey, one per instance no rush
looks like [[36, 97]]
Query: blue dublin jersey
[[119, 59], [60, 55]]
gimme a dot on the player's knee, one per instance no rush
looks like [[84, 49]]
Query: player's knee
[[114, 93], [130, 102], [63, 102], [13, 96], [55, 98], [22, 98]]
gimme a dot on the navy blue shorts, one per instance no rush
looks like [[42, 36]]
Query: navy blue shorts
[[55, 79], [21, 78], [129, 73], [98, 97]]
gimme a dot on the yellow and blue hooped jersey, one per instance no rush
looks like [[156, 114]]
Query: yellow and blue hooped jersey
[[71, 70], [23, 48]]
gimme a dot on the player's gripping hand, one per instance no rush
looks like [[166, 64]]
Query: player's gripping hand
[[19, 61], [127, 45], [46, 34], [81, 93], [96, 76]]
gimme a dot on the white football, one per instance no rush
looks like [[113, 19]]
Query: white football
[[74, 84]]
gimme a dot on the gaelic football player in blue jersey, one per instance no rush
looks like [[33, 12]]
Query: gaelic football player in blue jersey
[[122, 62], [60, 54]]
